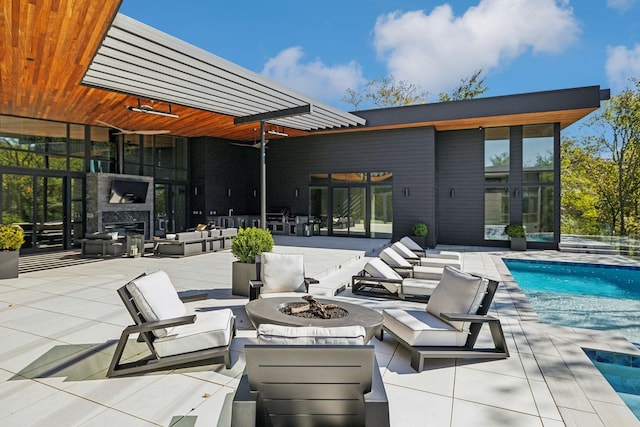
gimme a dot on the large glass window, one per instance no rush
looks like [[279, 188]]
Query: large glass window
[[102, 151], [537, 153], [496, 176], [537, 213], [496, 213], [351, 203], [496, 155]]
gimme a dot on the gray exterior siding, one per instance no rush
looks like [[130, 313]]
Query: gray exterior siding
[[460, 213], [217, 165], [409, 154]]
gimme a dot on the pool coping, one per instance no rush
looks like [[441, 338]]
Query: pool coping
[[582, 394]]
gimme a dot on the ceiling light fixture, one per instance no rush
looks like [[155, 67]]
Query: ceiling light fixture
[[148, 109], [275, 132]]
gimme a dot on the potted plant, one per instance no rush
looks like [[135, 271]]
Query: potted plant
[[419, 234], [249, 243], [11, 239], [517, 235]]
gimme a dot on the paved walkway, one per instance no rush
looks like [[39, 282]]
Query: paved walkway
[[59, 327]]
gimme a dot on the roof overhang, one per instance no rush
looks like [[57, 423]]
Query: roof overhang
[[139, 60]]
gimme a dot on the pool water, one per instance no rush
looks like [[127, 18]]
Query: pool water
[[601, 297], [622, 371]]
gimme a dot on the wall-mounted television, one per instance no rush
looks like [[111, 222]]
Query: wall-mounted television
[[128, 191]]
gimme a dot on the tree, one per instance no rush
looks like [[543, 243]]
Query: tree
[[580, 196], [386, 92], [469, 88], [617, 141], [389, 92]]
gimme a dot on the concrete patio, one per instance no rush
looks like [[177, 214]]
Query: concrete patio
[[58, 329]]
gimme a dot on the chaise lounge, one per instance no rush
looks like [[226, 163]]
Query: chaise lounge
[[379, 279], [431, 261]]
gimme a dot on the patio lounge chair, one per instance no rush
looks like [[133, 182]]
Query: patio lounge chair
[[431, 261], [451, 322], [310, 377], [173, 335], [379, 279], [433, 253], [406, 269], [279, 275]]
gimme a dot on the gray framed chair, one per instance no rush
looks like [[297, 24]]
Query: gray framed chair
[[173, 335], [310, 376], [451, 322], [279, 275]]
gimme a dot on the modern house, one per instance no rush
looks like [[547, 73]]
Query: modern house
[[107, 123]]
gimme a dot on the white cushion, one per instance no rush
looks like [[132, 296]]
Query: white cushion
[[404, 251], [428, 273], [419, 328], [394, 259], [311, 335], [459, 293], [283, 295], [419, 286], [443, 254], [377, 268], [211, 329], [156, 299], [409, 243], [282, 273], [440, 262]]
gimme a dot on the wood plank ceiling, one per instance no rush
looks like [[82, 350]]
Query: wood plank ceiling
[[48, 45]]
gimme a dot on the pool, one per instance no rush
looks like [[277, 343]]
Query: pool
[[601, 297], [622, 371]]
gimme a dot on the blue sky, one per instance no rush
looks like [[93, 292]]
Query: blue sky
[[323, 48]]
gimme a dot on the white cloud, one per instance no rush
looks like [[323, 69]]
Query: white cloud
[[622, 64], [436, 50], [620, 5], [314, 78]]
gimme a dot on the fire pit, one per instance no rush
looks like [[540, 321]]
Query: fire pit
[[312, 309], [270, 310]]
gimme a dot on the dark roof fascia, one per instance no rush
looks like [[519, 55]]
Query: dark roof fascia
[[534, 102]]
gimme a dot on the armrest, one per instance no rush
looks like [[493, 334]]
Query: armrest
[[474, 318], [254, 289], [193, 297], [311, 280], [161, 324]]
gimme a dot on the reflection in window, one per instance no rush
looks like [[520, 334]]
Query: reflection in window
[[319, 209], [102, 151], [381, 211], [537, 153], [496, 154], [349, 177], [537, 213], [496, 213]]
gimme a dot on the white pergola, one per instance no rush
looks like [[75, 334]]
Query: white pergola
[[139, 60]]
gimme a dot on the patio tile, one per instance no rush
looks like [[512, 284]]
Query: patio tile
[[494, 389], [169, 396], [471, 413], [614, 415], [437, 377], [417, 408], [544, 401], [57, 409]]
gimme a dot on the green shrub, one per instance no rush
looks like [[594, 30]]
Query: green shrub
[[251, 242], [514, 230], [11, 237], [419, 229]]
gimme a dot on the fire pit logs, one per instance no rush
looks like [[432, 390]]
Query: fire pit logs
[[312, 309]]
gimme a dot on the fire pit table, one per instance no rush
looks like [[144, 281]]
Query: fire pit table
[[270, 310]]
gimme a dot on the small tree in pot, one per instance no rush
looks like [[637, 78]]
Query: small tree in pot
[[11, 239], [419, 234], [517, 235], [249, 243]]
